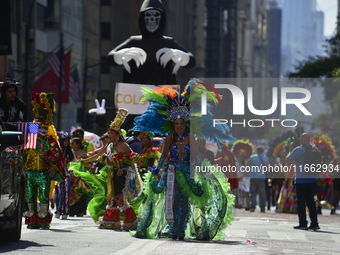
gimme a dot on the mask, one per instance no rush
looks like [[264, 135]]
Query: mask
[[152, 19], [43, 131]]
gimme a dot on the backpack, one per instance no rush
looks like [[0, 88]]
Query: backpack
[[313, 156]]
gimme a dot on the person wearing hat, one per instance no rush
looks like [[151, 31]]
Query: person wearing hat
[[12, 109], [42, 164], [123, 184], [80, 133]]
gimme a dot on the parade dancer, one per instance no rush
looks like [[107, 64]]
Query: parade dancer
[[62, 192], [123, 181], [180, 202], [42, 164]]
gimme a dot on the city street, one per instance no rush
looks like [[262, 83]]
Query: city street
[[250, 233]]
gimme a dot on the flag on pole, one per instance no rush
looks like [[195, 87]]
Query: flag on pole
[[49, 81], [75, 89], [30, 133], [54, 62]]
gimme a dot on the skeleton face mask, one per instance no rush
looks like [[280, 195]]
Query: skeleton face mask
[[152, 19]]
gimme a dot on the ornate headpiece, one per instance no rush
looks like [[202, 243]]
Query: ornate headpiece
[[77, 134], [167, 105], [242, 147], [179, 112], [44, 107], [324, 145], [119, 120], [63, 135], [279, 143]]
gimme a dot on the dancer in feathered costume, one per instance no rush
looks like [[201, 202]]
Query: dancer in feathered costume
[[327, 149], [274, 181], [280, 147], [242, 150], [177, 204]]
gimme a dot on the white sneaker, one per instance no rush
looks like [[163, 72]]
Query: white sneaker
[[57, 216], [64, 217]]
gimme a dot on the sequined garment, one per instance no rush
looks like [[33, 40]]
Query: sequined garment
[[37, 163], [202, 207], [118, 190]]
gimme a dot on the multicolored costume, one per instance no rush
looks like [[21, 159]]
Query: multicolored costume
[[150, 156], [62, 190], [176, 203], [119, 189], [327, 149], [39, 161], [242, 150], [286, 202]]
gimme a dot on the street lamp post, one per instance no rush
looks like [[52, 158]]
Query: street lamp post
[[27, 51], [86, 68], [61, 79], [84, 87]]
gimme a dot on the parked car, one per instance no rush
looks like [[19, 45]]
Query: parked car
[[12, 184]]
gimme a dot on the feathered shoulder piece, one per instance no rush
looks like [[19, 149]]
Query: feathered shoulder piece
[[279, 143], [167, 104], [324, 145], [242, 147]]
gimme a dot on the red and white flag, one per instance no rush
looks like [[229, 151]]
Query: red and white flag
[[54, 62], [30, 133]]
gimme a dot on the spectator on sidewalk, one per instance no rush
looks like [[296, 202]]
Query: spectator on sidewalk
[[204, 152], [257, 178], [135, 143], [12, 108], [305, 185]]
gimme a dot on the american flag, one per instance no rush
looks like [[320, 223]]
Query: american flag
[[75, 89], [30, 134], [54, 62]]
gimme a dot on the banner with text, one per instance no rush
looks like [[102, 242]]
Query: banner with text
[[128, 96]]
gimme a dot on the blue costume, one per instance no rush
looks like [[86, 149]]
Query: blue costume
[[177, 203]]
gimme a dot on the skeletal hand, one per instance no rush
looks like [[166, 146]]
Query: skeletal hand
[[180, 58], [123, 56]]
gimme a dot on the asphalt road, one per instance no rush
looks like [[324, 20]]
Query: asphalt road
[[250, 233]]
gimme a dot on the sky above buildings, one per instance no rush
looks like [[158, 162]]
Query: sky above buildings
[[330, 9]]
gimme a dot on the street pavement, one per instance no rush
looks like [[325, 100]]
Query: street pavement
[[249, 233], [273, 233]]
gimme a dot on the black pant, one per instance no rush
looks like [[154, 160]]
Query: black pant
[[305, 195]]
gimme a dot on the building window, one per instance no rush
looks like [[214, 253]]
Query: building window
[[105, 2], [105, 30], [40, 17], [104, 67]]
